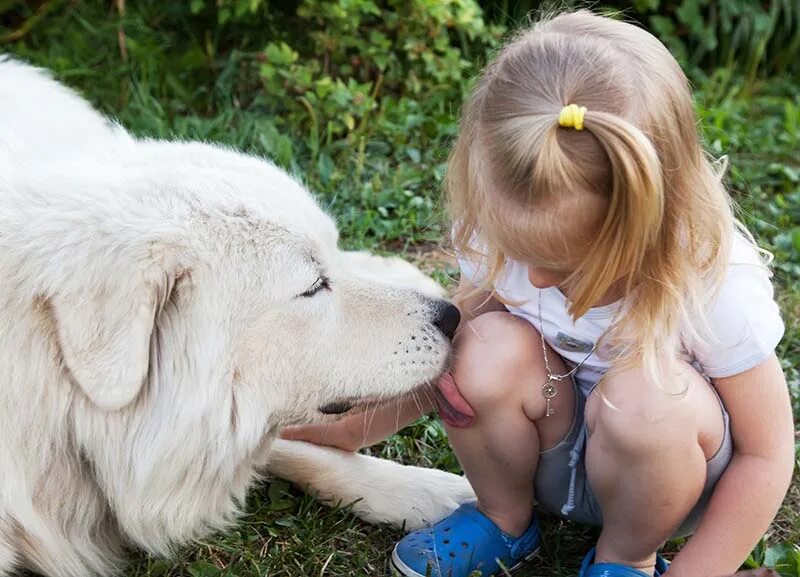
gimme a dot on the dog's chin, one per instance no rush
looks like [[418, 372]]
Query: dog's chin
[[340, 408]]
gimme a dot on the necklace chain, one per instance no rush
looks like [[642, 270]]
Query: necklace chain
[[549, 388]]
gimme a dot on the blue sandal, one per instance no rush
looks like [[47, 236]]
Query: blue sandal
[[465, 542], [591, 569]]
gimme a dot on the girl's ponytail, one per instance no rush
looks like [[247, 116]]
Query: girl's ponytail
[[636, 250], [635, 211]]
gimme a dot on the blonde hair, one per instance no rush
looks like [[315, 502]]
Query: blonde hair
[[630, 201]]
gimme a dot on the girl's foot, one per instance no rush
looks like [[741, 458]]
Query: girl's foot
[[591, 569], [464, 542]]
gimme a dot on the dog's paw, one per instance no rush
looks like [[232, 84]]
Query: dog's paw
[[376, 490], [402, 496], [429, 497]]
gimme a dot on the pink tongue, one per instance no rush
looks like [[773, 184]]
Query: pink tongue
[[453, 408]]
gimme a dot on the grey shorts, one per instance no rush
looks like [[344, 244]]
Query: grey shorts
[[562, 488]]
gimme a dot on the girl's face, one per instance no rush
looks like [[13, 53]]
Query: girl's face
[[543, 278]]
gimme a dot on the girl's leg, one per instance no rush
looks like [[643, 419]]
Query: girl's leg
[[646, 459], [499, 370]]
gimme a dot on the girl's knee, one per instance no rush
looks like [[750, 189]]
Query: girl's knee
[[491, 354], [632, 414]]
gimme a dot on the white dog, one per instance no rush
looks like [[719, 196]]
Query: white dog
[[165, 308]]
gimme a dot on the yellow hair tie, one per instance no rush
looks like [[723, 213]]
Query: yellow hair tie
[[571, 116]]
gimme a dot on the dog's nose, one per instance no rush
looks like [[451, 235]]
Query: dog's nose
[[447, 319]]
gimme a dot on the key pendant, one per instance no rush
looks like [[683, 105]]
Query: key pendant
[[549, 391]]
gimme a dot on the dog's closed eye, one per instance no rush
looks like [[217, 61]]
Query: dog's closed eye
[[322, 283]]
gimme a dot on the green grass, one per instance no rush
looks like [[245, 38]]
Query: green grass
[[287, 533], [381, 179]]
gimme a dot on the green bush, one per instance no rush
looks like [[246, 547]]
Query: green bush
[[753, 37]]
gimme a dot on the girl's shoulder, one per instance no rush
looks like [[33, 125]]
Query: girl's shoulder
[[744, 320]]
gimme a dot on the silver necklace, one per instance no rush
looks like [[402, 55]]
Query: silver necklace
[[550, 386]]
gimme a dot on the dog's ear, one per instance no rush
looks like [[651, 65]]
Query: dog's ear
[[105, 333]]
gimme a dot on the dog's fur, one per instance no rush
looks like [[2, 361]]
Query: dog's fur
[[155, 338]]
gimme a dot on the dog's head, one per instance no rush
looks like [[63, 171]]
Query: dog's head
[[173, 305], [212, 276]]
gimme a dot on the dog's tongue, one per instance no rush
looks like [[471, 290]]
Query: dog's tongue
[[453, 408]]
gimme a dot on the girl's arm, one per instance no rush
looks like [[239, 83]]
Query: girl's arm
[[364, 429], [750, 492]]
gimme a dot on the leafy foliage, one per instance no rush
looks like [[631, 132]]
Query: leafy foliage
[[749, 36]]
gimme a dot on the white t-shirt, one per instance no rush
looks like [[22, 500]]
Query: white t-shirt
[[744, 320]]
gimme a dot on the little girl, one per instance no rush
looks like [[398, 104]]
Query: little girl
[[615, 363]]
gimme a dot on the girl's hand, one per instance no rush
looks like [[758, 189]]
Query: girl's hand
[[359, 430], [346, 434]]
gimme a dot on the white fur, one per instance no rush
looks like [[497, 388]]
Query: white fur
[[152, 340]]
